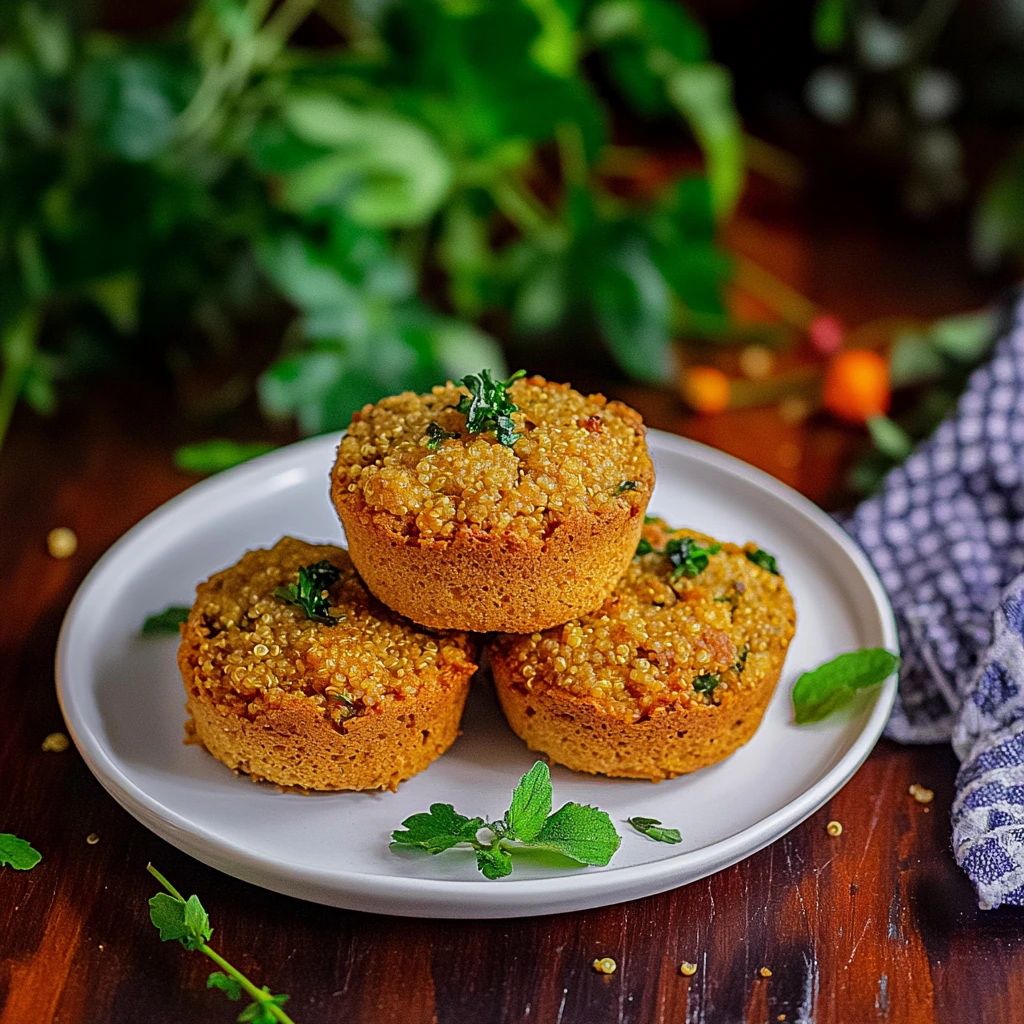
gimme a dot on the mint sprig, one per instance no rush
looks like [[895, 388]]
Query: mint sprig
[[651, 828], [17, 853], [825, 689], [689, 557], [576, 831], [765, 561], [185, 921], [488, 406]]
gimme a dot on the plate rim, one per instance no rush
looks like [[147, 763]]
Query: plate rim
[[427, 897]]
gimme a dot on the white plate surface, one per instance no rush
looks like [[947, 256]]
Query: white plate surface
[[123, 701]]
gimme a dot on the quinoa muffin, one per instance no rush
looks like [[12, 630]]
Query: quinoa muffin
[[297, 675], [462, 512], [671, 674]]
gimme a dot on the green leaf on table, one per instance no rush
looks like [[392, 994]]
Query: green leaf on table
[[816, 694], [166, 621], [531, 804], [217, 454], [914, 360], [580, 832], [17, 853], [183, 920], [965, 338], [890, 438], [652, 828], [228, 985], [438, 830]]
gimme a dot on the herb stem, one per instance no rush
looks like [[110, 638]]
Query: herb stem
[[263, 998], [257, 993]]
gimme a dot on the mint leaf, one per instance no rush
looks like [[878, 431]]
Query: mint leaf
[[650, 827], [581, 833], [531, 804], [437, 435], [488, 405], [816, 694], [310, 593], [166, 621], [495, 862], [231, 988], [764, 560], [168, 914], [688, 556], [644, 547], [439, 830], [17, 853], [261, 1013], [627, 485], [217, 454], [707, 683]]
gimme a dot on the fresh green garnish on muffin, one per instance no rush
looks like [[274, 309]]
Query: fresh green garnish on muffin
[[688, 557], [707, 683], [816, 694], [488, 405], [764, 560], [627, 485], [581, 833], [651, 828], [166, 621], [310, 593], [437, 435]]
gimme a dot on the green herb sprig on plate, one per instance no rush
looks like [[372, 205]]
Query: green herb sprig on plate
[[166, 621], [652, 828], [488, 406], [825, 689], [17, 853], [689, 557], [764, 560], [310, 593], [185, 921], [581, 833]]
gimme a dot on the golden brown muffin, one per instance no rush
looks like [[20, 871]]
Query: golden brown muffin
[[358, 699], [460, 531], [671, 674]]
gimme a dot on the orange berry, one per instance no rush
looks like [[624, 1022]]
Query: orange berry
[[705, 389], [857, 385]]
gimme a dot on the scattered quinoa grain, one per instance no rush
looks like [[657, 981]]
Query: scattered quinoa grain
[[605, 965], [687, 968], [92, 839], [765, 972], [834, 828], [61, 542], [921, 794], [56, 743]]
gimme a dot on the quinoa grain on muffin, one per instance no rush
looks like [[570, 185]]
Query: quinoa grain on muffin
[[297, 675], [459, 530], [671, 674]]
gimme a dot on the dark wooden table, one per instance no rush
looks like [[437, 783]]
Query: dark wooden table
[[876, 925]]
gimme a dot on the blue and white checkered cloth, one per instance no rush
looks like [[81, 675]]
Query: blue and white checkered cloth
[[946, 534]]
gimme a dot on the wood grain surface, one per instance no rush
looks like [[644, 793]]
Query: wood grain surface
[[877, 924]]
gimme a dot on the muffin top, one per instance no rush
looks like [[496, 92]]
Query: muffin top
[[689, 620], [252, 646], [414, 458]]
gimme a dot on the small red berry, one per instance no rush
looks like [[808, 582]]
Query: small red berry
[[826, 334]]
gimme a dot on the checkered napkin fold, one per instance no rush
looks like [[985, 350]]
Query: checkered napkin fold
[[946, 534]]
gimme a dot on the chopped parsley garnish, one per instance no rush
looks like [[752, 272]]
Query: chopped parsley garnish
[[764, 560], [707, 683], [651, 828], [310, 593], [166, 621], [689, 558], [488, 405], [436, 435], [645, 547], [581, 833], [627, 485]]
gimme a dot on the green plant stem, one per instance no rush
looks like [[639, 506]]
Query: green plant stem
[[17, 348], [257, 993], [520, 206]]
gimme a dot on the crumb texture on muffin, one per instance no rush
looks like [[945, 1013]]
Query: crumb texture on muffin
[[671, 674], [461, 531], [359, 704]]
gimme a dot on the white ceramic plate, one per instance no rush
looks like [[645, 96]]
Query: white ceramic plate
[[123, 701]]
